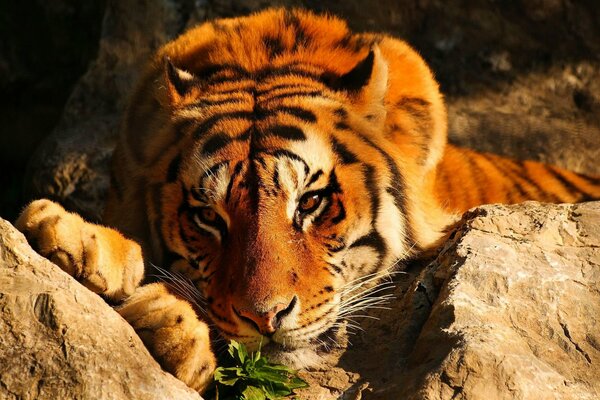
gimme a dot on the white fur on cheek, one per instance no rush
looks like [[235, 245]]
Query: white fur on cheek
[[393, 234]]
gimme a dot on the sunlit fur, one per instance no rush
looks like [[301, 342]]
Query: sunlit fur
[[243, 117], [254, 112]]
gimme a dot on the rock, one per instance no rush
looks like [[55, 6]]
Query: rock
[[509, 309], [58, 340], [519, 83], [517, 315]]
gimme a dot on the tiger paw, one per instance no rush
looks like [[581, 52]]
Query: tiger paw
[[172, 332], [100, 258]]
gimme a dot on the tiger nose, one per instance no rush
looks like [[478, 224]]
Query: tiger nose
[[268, 321]]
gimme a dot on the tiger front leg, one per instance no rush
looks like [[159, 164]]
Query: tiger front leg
[[100, 258], [172, 332]]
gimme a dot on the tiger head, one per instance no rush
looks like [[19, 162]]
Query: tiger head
[[285, 190]]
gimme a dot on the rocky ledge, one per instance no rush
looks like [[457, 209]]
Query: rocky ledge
[[508, 309], [58, 340]]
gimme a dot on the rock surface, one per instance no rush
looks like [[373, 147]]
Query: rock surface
[[509, 309], [517, 314], [58, 340], [521, 79]]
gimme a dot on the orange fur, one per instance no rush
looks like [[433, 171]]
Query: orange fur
[[233, 126]]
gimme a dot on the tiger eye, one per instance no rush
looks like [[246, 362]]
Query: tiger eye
[[309, 202], [208, 214]]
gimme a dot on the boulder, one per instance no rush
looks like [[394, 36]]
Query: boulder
[[509, 309], [58, 340]]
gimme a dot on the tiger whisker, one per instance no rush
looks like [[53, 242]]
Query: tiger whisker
[[370, 291], [182, 286]]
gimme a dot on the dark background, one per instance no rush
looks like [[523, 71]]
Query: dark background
[[45, 46], [522, 78]]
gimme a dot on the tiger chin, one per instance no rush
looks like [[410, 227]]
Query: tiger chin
[[278, 165]]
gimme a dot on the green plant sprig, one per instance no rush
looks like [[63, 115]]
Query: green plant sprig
[[252, 377]]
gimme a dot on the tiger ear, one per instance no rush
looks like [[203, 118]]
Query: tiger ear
[[178, 82], [368, 79]]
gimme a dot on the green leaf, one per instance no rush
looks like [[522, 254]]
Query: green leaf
[[228, 376], [252, 377], [238, 351], [253, 393]]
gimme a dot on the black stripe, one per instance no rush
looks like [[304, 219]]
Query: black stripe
[[173, 169], [213, 71], [373, 189], [210, 122], [344, 155], [246, 90], [236, 171], [335, 268], [228, 75], [297, 93], [276, 178], [570, 186], [302, 39], [208, 102], [341, 112], [300, 113], [523, 175], [215, 143], [374, 240], [514, 179], [184, 208], [199, 194], [398, 184], [245, 135], [287, 132], [342, 126], [314, 177], [274, 46], [292, 156]]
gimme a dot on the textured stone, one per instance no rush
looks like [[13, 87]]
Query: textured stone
[[509, 309], [517, 314], [58, 340]]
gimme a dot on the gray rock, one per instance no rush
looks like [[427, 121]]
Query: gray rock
[[58, 340], [509, 309]]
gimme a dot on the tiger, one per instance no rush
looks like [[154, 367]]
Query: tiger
[[273, 160]]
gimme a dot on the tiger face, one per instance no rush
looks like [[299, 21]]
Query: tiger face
[[273, 184], [275, 211]]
